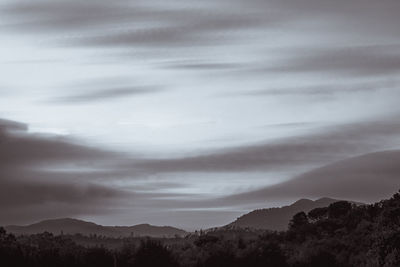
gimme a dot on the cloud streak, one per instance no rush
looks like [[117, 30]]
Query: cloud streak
[[349, 61], [127, 23], [105, 95], [330, 144], [366, 178], [323, 90]]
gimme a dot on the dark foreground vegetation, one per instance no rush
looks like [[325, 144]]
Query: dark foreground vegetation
[[342, 234]]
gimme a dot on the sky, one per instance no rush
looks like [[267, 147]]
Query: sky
[[192, 113]]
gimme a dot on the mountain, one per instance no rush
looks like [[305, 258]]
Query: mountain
[[74, 226], [278, 218]]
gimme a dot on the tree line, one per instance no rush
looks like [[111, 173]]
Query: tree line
[[342, 234]]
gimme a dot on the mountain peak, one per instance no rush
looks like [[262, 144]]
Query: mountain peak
[[302, 201]]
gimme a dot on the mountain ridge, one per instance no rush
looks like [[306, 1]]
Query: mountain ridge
[[277, 218], [75, 226], [274, 218]]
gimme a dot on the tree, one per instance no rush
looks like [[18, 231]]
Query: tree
[[318, 214], [339, 209], [299, 220]]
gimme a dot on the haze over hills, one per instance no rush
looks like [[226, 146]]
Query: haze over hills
[[74, 226], [278, 218]]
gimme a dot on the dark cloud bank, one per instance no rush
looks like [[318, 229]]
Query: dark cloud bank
[[350, 170], [30, 191], [365, 178]]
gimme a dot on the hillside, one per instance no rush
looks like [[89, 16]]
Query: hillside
[[74, 226], [278, 218]]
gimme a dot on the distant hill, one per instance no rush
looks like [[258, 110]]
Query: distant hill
[[74, 226], [278, 218]]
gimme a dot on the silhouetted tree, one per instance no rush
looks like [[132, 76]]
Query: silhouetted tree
[[299, 220], [339, 209], [205, 240], [318, 214]]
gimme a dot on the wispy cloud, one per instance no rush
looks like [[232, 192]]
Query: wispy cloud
[[104, 95], [324, 90], [349, 61], [127, 23]]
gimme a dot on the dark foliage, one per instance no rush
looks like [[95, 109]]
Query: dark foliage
[[318, 214], [153, 254], [341, 234]]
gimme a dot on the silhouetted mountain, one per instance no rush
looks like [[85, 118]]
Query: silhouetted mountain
[[278, 218], [74, 226]]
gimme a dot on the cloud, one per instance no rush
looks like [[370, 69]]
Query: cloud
[[127, 23], [30, 188], [329, 33], [202, 66], [44, 177], [17, 194], [45, 15], [105, 94], [21, 148], [7, 125], [318, 148], [323, 17], [163, 25], [366, 178], [189, 30], [324, 90], [290, 42], [350, 61]]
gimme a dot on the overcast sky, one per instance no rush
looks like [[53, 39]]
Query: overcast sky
[[191, 113]]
